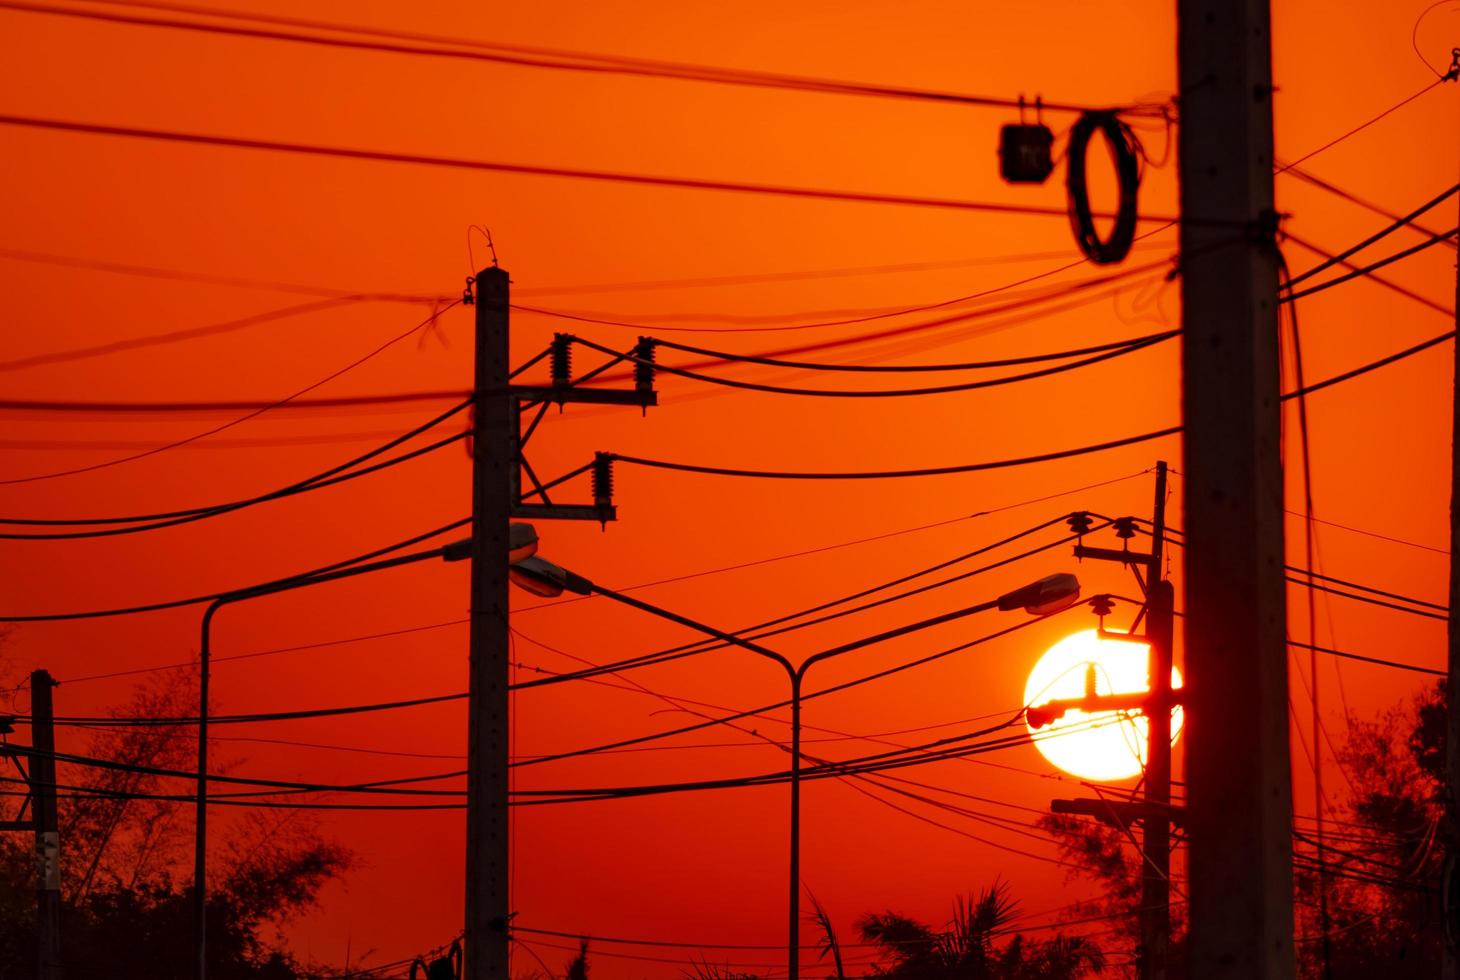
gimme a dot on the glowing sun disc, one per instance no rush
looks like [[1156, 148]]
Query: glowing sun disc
[[1106, 744]]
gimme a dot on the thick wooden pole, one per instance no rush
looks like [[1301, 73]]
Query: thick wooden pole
[[1239, 793], [487, 901]]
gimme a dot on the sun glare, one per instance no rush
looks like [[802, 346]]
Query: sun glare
[[1106, 744]]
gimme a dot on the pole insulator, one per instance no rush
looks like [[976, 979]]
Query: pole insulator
[[562, 360], [603, 485], [1125, 528], [644, 352], [1102, 605]]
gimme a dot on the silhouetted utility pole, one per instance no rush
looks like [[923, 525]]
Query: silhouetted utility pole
[[1156, 842], [1450, 904], [40, 799], [493, 436], [47, 829], [1155, 814], [1239, 796], [499, 462]]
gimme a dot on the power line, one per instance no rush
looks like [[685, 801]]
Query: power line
[[536, 170], [884, 314], [280, 494], [1386, 283], [198, 600], [1352, 198], [236, 421], [1105, 355], [213, 279], [896, 474], [630, 588], [400, 42], [1361, 127], [699, 726], [1400, 222], [176, 336], [762, 631], [213, 508], [728, 356], [1368, 269]]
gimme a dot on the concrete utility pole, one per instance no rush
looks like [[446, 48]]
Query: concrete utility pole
[[1155, 813], [1450, 962], [1156, 839], [1239, 799], [47, 829], [493, 436]]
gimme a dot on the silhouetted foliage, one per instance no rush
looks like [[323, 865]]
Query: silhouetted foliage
[[1387, 855], [970, 948], [1384, 852], [578, 965], [127, 910]]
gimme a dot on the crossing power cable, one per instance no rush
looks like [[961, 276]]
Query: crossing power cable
[[343, 473], [177, 336], [539, 170], [777, 626], [895, 474], [885, 314], [117, 461], [1352, 198], [1105, 355], [1374, 277], [731, 357], [1407, 220], [1360, 128], [210, 508], [1369, 269], [628, 588], [198, 600], [401, 42]]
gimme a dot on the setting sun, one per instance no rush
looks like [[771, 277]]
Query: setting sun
[[1103, 744]]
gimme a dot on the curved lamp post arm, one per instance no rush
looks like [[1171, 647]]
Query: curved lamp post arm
[[200, 831]]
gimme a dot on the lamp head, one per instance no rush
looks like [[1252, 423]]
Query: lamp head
[[521, 543], [1048, 595], [541, 577]]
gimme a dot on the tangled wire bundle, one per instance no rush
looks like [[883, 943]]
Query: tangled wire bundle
[[1126, 151]]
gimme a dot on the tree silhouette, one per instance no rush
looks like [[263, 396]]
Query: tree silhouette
[[969, 948], [126, 865]]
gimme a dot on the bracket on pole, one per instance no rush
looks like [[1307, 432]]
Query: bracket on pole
[[563, 390], [1117, 813]]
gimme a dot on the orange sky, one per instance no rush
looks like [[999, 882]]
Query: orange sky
[[703, 866]]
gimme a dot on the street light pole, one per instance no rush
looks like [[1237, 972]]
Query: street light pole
[[1049, 594], [200, 825]]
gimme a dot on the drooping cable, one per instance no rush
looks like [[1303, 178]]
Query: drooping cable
[[117, 461], [281, 494], [896, 474], [199, 600], [1105, 355]]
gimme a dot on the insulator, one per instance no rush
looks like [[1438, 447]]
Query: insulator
[[562, 361], [468, 296], [1079, 522], [644, 353], [1102, 605], [602, 479], [1125, 527]]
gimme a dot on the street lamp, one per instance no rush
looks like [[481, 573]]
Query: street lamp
[[523, 543], [1040, 598]]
